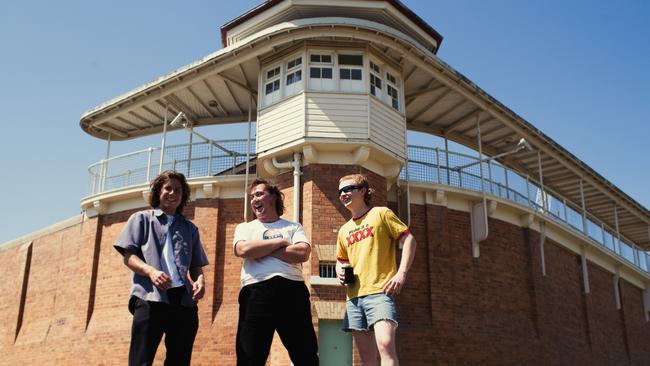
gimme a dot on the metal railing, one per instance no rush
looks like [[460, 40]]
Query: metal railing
[[433, 165], [425, 164], [199, 159]]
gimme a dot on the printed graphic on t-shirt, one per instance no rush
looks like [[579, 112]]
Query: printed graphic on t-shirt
[[359, 233], [271, 234]]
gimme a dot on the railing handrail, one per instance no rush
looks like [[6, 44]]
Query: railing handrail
[[196, 159], [556, 207], [616, 238], [547, 189], [125, 155], [151, 148]]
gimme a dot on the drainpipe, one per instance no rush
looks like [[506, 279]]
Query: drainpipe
[[295, 164]]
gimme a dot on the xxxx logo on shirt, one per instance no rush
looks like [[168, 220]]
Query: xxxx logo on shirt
[[359, 234]]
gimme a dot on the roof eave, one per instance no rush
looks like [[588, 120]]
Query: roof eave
[[271, 3]]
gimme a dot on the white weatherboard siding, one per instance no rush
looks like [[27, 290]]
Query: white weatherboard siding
[[388, 128], [333, 116], [337, 116], [281, 123]]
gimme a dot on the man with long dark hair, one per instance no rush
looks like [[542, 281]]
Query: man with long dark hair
[[273, 296], [164, 251]]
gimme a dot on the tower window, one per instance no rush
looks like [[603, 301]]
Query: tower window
[[294, 71], [320, 72], [392, 90], [356, 60], [347, 69], [272, 80], [350, 74], [325, 59], [375, 79], [272, 86]]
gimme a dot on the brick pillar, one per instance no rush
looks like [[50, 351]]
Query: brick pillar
[[438, 251], [15, 261], [538, 287]]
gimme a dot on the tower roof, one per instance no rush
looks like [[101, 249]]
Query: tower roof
[[390, 12], [439, 100]]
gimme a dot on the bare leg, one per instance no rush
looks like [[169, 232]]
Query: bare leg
[[385, 338], [365, 342]]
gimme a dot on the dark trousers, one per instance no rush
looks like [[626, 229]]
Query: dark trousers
[[152, 319], [281, 305]]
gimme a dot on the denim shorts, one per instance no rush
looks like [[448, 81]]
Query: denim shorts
[[363, 312]]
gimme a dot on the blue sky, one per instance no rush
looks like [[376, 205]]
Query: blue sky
[[577, 70]]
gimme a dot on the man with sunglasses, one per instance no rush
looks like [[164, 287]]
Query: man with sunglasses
[[367, 242]]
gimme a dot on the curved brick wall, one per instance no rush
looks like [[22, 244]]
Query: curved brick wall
[[63, 298]]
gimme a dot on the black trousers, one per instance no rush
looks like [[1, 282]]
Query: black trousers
[[281, 305], [152, 319]]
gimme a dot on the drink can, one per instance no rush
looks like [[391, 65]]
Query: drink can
[[349, 274]]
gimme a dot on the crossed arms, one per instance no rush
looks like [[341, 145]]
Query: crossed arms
[[279, 248]]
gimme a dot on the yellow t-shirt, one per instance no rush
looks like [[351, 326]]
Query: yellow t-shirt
[[369, 244]]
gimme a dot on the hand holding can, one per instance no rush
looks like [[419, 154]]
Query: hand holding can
[[348, 271]]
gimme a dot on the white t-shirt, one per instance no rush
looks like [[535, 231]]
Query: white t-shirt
[[260, 269]]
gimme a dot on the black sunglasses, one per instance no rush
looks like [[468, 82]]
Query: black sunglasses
[[350, 188]]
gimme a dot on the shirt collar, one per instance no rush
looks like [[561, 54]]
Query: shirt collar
[[159, 213]]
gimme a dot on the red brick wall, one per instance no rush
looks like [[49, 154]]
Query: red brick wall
[[455, 309]]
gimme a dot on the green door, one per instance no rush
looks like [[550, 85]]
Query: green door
[[334, 345]]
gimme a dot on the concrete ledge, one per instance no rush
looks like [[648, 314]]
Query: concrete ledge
[[330, 309], [526, 217], [317, 280], [136, 196], [77, 219]]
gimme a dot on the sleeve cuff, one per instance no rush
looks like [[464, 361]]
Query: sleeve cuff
[[404, 233]]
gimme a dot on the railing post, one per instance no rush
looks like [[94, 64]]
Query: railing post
[[149, 153], [102, 177], [189, 156], [210, 158], [585, 229], [447, 161], [93, 182], [602, 230], [174, 164], [647, 257], [248, 152], [489, 162], [162, 143], [566, 211], [528, 190], [618, 232], [438, 163], [105, 163], [541, 182], [507, 185]]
